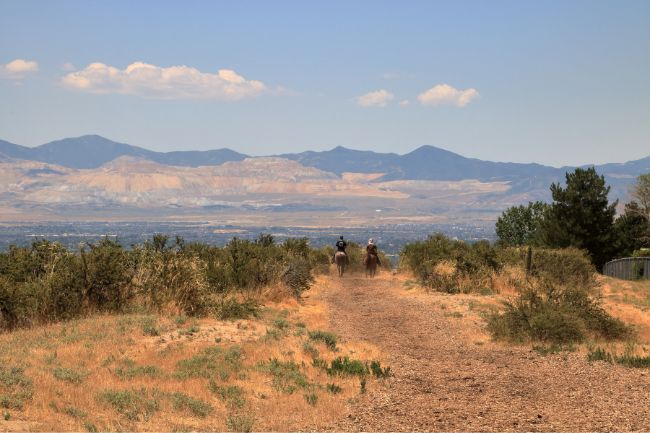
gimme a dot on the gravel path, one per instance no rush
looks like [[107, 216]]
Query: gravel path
[[443, 382]]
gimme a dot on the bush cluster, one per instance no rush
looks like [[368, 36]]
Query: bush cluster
[[46, 282], [471, 267], [558, 303]]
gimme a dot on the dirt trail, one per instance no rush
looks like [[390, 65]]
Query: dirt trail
[[442, 381]]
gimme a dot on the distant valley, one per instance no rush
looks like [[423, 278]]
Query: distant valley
[[94, 178]]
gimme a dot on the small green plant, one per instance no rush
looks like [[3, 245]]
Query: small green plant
[[362, 385], [328, 338], [15, 387], [69, 375], [193, 329], [233, 395], [195, 406], [130, 370], [287, 376], [74, 412], [333, 388], [210, 362], [149, 326], [319, 363], [281, 324], [378, 372], [628, 359], [237, 422], [180, 320], [344, 366], [90, 427], [310, 350], [551, 349], [311, 399], [6, 415], [634, 361], [135, 405]]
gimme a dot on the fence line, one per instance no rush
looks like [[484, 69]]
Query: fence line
[[629, 268]]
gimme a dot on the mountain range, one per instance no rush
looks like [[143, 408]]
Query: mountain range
[[76, 174], [424, 163]]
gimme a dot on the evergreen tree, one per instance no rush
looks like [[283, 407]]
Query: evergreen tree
[[581, 216], [641, 194], [519, 225], [631, 230]]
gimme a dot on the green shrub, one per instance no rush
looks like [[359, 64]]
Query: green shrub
[[108, 274], [328, 338], [195, 406], [473, 264], [600, 354], [212, 361], [378, 372], [550, 313], [311, 399], [15, 387], [297, 276], [333, 388], [46, 282], [130, 370], [628, 359], [286, 376], [233, 395], [310, 350], [69, 375], [19, 303], [567, 266], [243, 423], [135, 405], [344, 366]]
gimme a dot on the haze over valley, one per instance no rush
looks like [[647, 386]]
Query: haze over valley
[[91, 177]]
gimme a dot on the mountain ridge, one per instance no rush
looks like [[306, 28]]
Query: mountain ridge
[[424, 163]]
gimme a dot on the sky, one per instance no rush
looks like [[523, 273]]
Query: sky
[[554, 82]]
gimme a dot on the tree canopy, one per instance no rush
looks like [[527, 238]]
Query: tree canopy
[[581, 216], [519, 225]]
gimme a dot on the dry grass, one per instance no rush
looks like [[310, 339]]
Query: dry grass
[[136, 352], [626, 300], [629, 301]]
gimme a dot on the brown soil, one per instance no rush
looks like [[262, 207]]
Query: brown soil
[[449, 378]]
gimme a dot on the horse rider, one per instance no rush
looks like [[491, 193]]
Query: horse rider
[[371, 249], [340, 247]]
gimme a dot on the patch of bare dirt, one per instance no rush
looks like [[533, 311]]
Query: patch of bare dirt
[[447, 379]]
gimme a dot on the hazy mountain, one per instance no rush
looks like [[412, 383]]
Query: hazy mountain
[[92, 175], [92, 151], [424, 163]]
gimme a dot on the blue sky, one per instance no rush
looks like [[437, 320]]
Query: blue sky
[[555, 82]]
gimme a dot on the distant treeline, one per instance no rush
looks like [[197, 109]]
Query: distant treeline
[[581, 216]]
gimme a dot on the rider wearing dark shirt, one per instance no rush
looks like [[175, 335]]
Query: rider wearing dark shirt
[[340, 247], [341, 244]]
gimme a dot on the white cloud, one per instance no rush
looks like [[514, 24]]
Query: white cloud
[[17, 69], [378, 98], [445, 94], [174, 82], [404, 103]]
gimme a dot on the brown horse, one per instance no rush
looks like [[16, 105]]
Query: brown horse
[[371, 261], [341, 261]]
